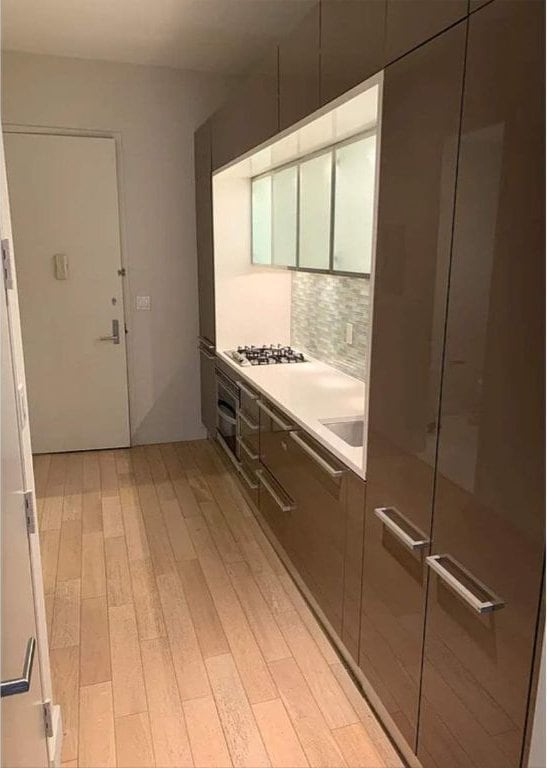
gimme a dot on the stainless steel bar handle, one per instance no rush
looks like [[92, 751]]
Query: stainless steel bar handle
[[207, 344], [250, 395], [478, 605], [21, 684], [202, 351], [330, 470], [244, 475], [251, 424], [274, 417], [115, 338], [273, 493], [383, 514], [250, 454]]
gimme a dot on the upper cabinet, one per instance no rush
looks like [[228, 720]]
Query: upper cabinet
[[204, 232], [410, 23], [314, 221], [352, 44], [251, 116], [299, 71], [355, 171], [489, 517]]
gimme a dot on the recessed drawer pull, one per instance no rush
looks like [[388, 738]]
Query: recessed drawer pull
[[248, 422], [330, 470], [492, 603], [403, 536], [250, 395], [274, 417], [273, 493], [248, 481], [248, 451]]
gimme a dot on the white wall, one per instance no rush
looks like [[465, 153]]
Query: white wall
[[252, 303], [153, 111]]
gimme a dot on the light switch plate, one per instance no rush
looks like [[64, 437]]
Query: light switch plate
[[349, 333], [143, 303]]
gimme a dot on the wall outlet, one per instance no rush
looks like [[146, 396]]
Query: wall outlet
[[349, 333], [143, 302]]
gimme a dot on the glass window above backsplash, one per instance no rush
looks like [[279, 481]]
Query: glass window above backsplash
[[318, 211]]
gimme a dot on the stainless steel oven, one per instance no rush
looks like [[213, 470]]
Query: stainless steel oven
[[227, 416]]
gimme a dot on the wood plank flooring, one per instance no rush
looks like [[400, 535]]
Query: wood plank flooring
[[177, 638]]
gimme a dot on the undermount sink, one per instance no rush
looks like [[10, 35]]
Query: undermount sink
[[351, 430]]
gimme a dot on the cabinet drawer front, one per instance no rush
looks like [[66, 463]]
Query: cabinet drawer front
[[422, 91], [248, 478], [489, 515], [276, 507]]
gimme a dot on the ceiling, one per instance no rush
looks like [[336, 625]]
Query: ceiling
[[221, 36]]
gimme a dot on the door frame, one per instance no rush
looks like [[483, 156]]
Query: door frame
[[45, 130]]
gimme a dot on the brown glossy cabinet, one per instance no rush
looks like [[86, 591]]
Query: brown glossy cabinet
[[420, 123], [352, 44], [204, 233], [489, 514], [410, 23], [251, 116], [208, 388], [322, 533], [299, 71]]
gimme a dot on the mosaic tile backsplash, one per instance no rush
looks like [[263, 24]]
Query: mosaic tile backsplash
[[321, 305]]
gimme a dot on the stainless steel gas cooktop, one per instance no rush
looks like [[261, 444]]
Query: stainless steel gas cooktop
[[267, 355]]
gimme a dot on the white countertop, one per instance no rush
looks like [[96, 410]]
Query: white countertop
[[310, 392]]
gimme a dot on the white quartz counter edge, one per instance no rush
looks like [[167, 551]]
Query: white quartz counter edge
[[310, 392]]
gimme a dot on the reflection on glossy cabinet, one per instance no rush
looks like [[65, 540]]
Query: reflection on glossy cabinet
[[352, 44], [251, 116], [299, 71], [489, 514], [410, 23], [204, 232], [420, 121]]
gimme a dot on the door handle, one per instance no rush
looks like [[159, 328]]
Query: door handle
[[473, 592], [386, 515], [330, 470], [115, 338], [21, 684]]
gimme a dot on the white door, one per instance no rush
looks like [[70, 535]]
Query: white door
[[24, 741], [65, 218]]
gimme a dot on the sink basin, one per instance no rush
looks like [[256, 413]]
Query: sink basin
[[351, 430]]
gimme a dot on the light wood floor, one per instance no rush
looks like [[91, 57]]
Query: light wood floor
[[176, 636]]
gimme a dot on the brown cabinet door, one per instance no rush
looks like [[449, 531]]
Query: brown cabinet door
[[299, 71], [420, 122], [251, 116], [204, 233], [489, 515], [352, 44], [208, 390], [410, 23]]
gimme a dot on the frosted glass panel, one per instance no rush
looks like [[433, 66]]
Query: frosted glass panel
[[314, 222], [354, 205], [284, 192], [262, 220]]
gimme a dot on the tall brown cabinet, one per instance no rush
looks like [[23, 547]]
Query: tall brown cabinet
[[420, 123], [488, 518], [454, 527]]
